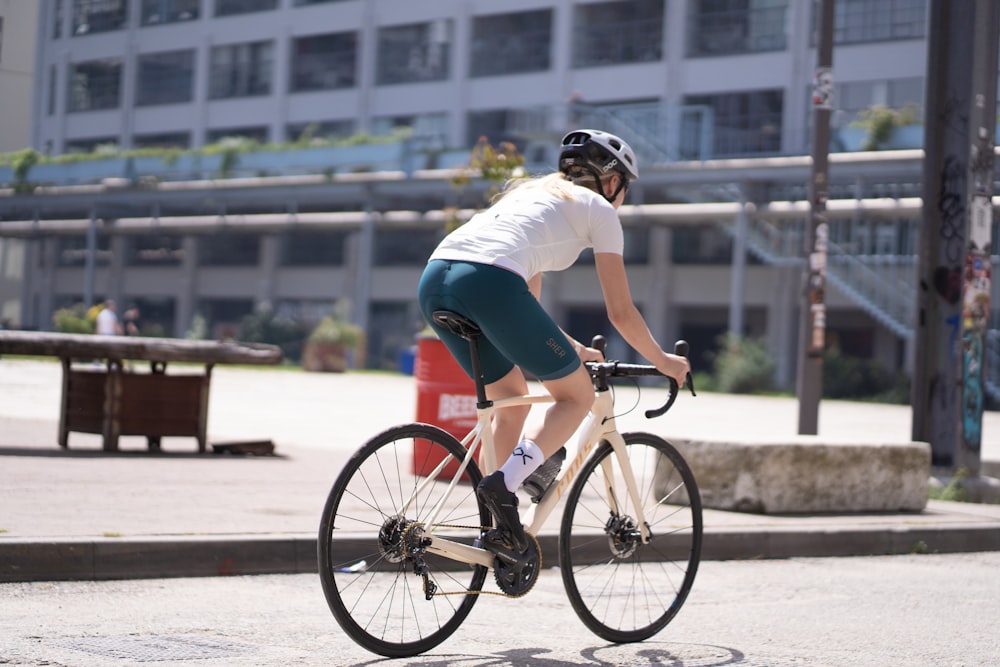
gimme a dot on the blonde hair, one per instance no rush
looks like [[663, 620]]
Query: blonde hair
[[556, 183]]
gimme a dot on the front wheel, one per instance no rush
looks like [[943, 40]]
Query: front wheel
[[622, 589], [387, 591]]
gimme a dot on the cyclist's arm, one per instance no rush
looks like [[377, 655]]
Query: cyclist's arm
[[627, 319]]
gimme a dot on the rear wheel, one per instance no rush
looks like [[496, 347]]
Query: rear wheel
[[386, 591], [624, 590]]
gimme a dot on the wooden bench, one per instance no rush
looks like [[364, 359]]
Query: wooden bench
[[104, 395]]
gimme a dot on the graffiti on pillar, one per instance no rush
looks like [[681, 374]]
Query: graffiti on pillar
[[972, 399], [951, 207], [816, 288], [976, 286]]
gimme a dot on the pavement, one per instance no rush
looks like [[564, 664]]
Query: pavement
[[82, 513]]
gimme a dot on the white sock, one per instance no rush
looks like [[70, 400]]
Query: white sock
[[527, 456]]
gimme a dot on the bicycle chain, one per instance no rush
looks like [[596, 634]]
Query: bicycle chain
[[538, 548]]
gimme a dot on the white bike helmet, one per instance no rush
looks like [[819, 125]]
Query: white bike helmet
[[598, 152]]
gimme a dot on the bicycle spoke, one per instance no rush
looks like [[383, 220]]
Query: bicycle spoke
[[622, 589], [373, 564]]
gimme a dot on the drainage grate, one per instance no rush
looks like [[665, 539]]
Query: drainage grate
[[155, 648]]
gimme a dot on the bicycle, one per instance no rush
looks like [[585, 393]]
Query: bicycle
[[399, 541]]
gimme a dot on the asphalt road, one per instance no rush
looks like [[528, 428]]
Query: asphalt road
[[875, 611]]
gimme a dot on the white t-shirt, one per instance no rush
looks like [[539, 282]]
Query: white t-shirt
[[107, 322], [532, 230]]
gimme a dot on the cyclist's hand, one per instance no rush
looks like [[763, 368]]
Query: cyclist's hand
[[590, 354], [676, 367]]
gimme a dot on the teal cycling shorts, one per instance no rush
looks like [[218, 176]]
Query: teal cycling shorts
[[516, 329]]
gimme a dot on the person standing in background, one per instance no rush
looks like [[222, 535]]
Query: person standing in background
[[131, 320], [107, 321]]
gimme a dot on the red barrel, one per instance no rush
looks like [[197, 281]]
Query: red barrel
[[446, 397]]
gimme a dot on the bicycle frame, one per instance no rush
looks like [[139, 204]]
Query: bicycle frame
[[599, 425]]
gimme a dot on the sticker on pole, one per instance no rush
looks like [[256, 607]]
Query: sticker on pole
[[823, 88]]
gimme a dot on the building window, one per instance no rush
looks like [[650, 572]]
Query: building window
[[511, 43], [154, 250], [229, 249], [95, 85], [324, 62], [701, 245], [855, 96], [53, 87], [223, 316], [156, 12], [57, 19], [156, 315], [163, 140], [857, 21], [431, 129], [258, 133], [405, 247], [241, 70], [725, 27], [165, 78], [91, 145], [326, 129], [313, 248], [744, 123], [72, 250], [230, 7], [496, 125], [637, 26], [93, 16], [417, 52]]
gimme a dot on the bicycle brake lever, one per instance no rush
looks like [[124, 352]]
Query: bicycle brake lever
[[681, 348], [600, 343]]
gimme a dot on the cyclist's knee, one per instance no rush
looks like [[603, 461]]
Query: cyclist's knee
[[575, 389]]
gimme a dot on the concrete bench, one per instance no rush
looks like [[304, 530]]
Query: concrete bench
[[108, 398], [806, 474]]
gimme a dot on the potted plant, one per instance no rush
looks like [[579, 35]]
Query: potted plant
[[331, 344]]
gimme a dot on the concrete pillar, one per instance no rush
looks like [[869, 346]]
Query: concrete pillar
[[116, 288], [659, 307], [46, 286], [185, 296], [270, 246], [782, 323]]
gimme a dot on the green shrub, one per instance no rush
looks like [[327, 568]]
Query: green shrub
[[852, 378], [73, 320], [743, 366], [265, 326]]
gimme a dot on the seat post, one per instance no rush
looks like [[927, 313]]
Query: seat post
[[477, 371], [465, 328]]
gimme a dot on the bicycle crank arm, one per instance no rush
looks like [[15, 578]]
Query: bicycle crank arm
[[462, 553]]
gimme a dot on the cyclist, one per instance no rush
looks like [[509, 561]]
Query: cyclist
[[490, 270]]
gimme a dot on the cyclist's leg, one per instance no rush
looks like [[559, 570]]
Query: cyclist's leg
[[574, 396], [508, 424]]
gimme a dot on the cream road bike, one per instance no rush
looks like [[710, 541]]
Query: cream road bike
[[400, 553]]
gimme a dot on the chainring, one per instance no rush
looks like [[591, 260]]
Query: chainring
[[517, 578]]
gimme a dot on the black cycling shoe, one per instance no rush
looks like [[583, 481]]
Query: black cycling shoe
[[492, 491]]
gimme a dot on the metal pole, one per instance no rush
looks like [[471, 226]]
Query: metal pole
[[976, 283], [812, 314], [937, 330]]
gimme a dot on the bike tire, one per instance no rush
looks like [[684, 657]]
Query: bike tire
[[370, 584], [623, 590]]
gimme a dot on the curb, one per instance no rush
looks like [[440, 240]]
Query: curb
[[70, 559]]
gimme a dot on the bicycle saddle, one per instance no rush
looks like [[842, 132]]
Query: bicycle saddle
[[460, 325]]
